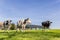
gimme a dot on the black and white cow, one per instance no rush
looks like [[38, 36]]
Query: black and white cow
[[46, 24], [23, 23], [7, 24]]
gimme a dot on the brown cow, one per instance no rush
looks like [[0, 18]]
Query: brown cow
[[1, 25]]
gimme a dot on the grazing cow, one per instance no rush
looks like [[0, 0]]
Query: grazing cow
[[46, 24], [23, 23], [7, 24]]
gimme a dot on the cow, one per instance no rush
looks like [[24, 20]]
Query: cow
[[7, 24], [46, 24], [23, 23], [1, 25]]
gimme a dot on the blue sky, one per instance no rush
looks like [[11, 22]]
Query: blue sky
[[36, 10]]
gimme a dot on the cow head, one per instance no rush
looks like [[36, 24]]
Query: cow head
[[49, 22], [28, 21]]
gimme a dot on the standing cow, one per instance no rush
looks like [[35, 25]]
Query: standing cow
[[23, 23], [46, 24], [7, 24]]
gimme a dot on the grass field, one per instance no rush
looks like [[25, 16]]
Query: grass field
[[30, 35]]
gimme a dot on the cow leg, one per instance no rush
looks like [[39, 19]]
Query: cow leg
[[43, 28], [9, 27], [24, 27]]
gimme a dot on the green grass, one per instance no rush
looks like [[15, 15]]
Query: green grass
[[30, 35]]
